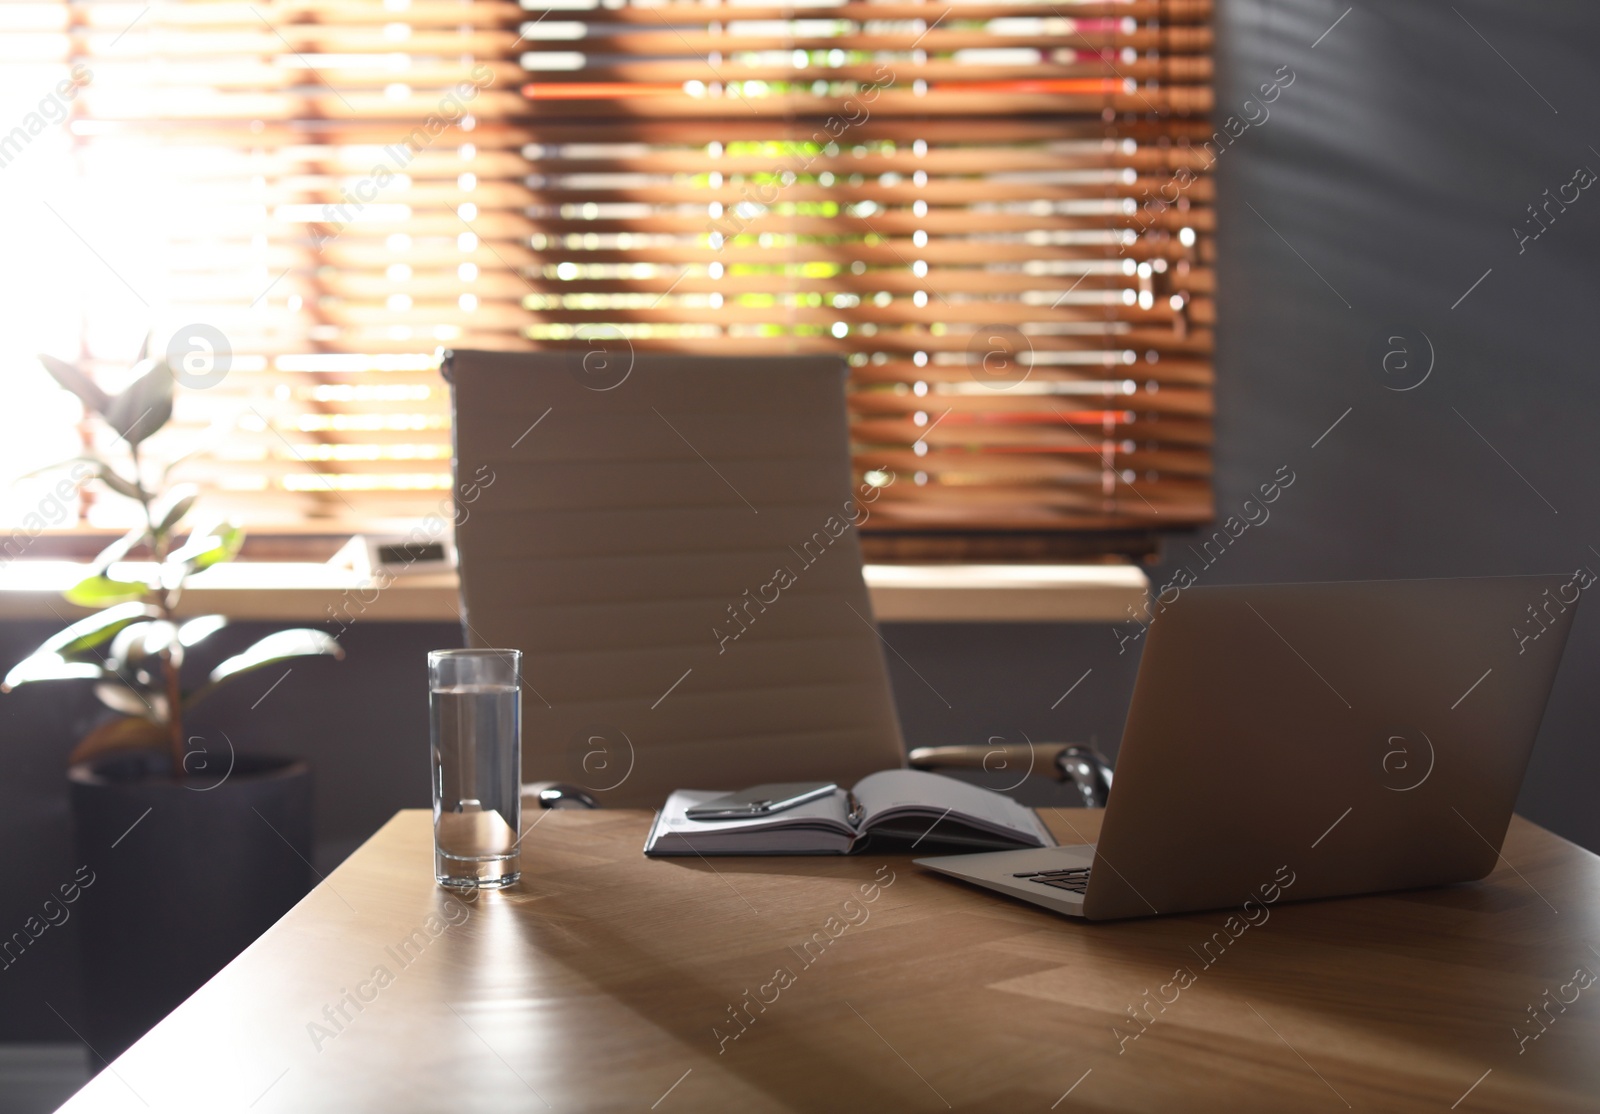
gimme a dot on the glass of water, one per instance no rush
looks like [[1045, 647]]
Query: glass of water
[[475, 701]]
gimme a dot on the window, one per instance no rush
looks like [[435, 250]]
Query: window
[[998, 212]]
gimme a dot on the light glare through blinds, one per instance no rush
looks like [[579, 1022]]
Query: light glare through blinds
[[292, 185]]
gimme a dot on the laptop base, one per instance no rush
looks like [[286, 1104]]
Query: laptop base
[[1050, 876]]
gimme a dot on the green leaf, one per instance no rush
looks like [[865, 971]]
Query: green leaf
[[99, 590], [298, 643], [81, 458], [202, 550], [46, 665], [136, 650], [210, 542], [232, 538], [118, 549], [197, 630], [122, 733], [97, 629], [112, 479], [87, 390], [301, 642], [146, 404], [173, 464], [172, 506], [122, 697]]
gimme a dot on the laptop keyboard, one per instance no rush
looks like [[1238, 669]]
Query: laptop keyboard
[[1075, 880]]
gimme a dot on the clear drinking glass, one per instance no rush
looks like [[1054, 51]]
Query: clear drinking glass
[[475, 698]]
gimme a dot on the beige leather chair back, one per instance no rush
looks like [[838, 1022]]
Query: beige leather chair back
[[672, 542]]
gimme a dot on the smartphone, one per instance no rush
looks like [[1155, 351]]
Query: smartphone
[[761, 800]]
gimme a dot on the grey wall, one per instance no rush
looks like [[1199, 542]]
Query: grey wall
[[1395, 166]]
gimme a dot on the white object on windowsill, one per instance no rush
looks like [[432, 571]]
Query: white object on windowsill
[[368, 555]]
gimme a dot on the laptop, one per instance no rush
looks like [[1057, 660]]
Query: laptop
[[1297, 741]]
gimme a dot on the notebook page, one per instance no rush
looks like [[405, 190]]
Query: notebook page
[[891, 791]]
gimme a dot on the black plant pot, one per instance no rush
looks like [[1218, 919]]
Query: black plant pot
[[186, 874]]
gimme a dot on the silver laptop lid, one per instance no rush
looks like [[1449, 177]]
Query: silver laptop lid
[[1358, 737]]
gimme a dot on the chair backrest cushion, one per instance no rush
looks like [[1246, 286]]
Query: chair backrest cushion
[[672, 541]]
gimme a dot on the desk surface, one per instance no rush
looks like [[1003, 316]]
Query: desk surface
[[610, 982]]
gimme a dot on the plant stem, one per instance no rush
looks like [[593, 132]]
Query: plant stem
[[174, 713], [169, 669]]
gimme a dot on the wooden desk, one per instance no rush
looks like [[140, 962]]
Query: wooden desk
[[607, 980]]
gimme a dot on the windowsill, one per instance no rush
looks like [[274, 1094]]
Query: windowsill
[[303, 592], [1006, 593]]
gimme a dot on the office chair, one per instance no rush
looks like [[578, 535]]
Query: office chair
[[673, 543]]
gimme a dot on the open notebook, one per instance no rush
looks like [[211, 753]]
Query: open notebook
[[899, 809]]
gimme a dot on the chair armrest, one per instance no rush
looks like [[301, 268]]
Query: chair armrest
[[1038, 759], [1088, 769], [1085, 767], [555, 794]]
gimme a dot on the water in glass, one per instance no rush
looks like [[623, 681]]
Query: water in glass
[[476, 736]]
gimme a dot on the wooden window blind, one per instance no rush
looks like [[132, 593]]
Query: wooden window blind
[[999, 212]]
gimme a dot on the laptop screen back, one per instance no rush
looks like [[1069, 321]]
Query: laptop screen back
[[1356, 737]]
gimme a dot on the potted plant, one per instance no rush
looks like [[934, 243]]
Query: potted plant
[[194, 850]]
